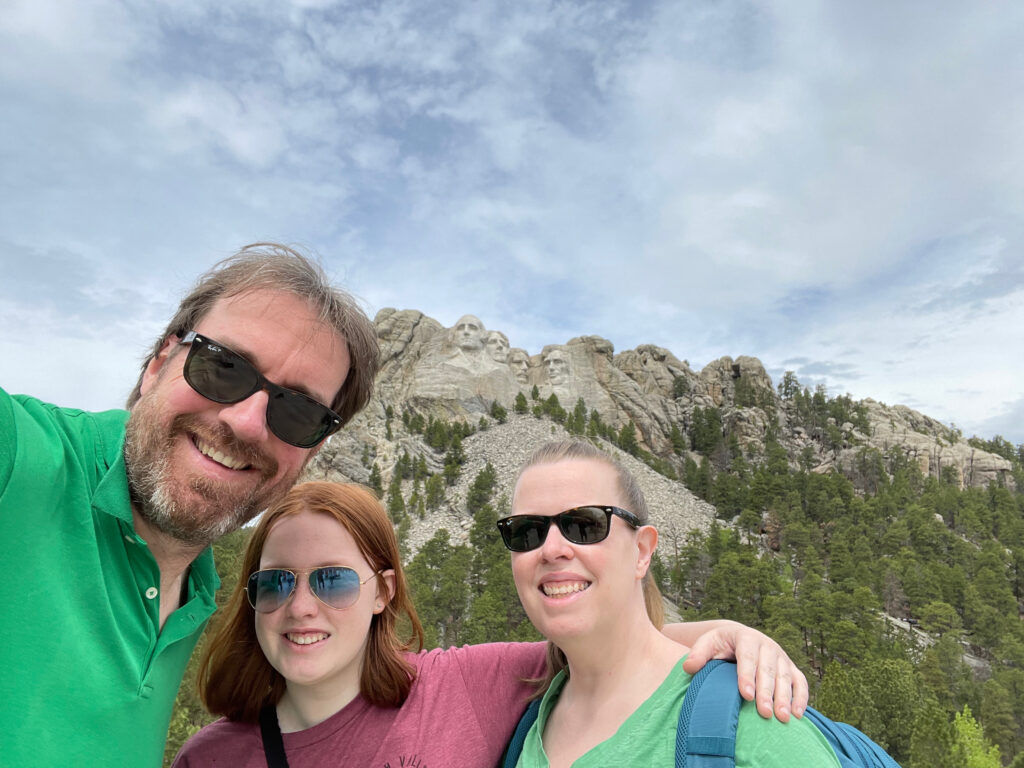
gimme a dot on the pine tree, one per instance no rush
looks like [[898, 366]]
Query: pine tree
[[375, 481], [627, 439], [498, 413], [395, 502]]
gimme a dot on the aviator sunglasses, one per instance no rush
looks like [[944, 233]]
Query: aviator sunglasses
[[582, 525], [336, 586], [219, 374]]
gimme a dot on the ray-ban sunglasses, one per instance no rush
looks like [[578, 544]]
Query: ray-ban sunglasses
[[581, 525], [336, 586], [219, 374]]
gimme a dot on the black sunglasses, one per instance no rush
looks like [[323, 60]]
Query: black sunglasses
[[336, 586], [582, 525], [219, 374]]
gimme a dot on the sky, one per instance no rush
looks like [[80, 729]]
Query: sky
[[834, 188]]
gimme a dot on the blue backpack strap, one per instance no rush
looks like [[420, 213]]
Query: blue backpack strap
[[515, 745], [853, 748], [706, 736]]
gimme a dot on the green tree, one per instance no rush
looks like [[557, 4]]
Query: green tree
[[553, 409], [973, 748], [435, 491], [627, 439], [996, 716], [440, 592], [706, 430], [789, 386], [932, 743], [498, 412], [939, 617], [375, 481], [576, 424], [453, 460], [481, 489], [395, 502], [189, 715], [677, 440]]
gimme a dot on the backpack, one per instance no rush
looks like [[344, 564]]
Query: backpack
[[706, 735]]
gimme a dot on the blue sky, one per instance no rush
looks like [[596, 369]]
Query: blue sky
[[834, 188]]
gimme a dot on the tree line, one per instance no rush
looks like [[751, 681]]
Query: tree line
[[899, 595]]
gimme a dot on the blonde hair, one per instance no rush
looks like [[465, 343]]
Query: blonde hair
[[566, 450]]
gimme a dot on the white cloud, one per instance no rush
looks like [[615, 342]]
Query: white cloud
[[841, 183]]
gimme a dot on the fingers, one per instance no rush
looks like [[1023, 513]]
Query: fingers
[[774, 689], [766, 675], [747, 666], [773, 681], [702, 651], [800, 691]]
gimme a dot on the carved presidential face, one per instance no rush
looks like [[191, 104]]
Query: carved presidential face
[[497, 346], [469, 333], [556, 363], [519, 362]]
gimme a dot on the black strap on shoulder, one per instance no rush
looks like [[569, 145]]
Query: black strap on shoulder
[[273, 744], [515, 746]]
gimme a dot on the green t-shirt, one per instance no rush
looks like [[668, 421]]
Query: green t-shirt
[[86, 677], [648, 736]]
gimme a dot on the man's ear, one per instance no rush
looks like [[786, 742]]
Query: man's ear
[[646, 542], [156, 363]]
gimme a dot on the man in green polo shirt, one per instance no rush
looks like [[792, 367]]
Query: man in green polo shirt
[[106, 518]]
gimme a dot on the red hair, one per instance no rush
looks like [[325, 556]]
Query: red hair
[[235, 678]]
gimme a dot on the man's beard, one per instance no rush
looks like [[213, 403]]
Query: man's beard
[[206, 509]]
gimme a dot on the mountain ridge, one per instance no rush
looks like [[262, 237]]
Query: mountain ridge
[[682, 417]]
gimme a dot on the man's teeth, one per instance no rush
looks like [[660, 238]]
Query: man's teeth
[[221, 458], [564, 588], [307, 639]]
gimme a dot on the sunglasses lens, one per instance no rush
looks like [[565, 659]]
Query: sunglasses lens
[[269, 590], [584, 525], [219, 374], [223, 376], [335, 586], [523, 533], [298, 419]]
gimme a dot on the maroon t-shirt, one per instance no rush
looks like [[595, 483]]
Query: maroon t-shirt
[[461, 712]]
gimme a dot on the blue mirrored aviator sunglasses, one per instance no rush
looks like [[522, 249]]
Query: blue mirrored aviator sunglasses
[[336, 586], [582, 525], [219, 374]]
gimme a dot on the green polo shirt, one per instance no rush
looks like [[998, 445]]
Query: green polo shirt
[[86, 676]]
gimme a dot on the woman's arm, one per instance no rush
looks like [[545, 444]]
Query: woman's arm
[[762, 666]]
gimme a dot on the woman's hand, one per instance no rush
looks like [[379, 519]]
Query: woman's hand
[[761, 666]]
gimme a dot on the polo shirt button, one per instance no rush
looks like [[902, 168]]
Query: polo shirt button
[[152, 592]]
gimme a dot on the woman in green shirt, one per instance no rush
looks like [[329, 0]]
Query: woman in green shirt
[[581, 552]]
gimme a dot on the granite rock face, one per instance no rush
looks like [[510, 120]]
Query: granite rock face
[[458, 373]]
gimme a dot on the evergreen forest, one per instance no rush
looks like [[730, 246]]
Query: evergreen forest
[[898, 594]]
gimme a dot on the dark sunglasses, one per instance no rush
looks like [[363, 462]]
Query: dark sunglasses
[[219, 374], [336, 586], [582, 525]]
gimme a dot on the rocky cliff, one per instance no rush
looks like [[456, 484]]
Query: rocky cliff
[[459, 373]]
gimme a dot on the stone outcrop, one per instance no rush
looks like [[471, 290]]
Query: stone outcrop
[[673, 509], [458, 373]]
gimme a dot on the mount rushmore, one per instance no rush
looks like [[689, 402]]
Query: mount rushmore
[[458, 373]]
